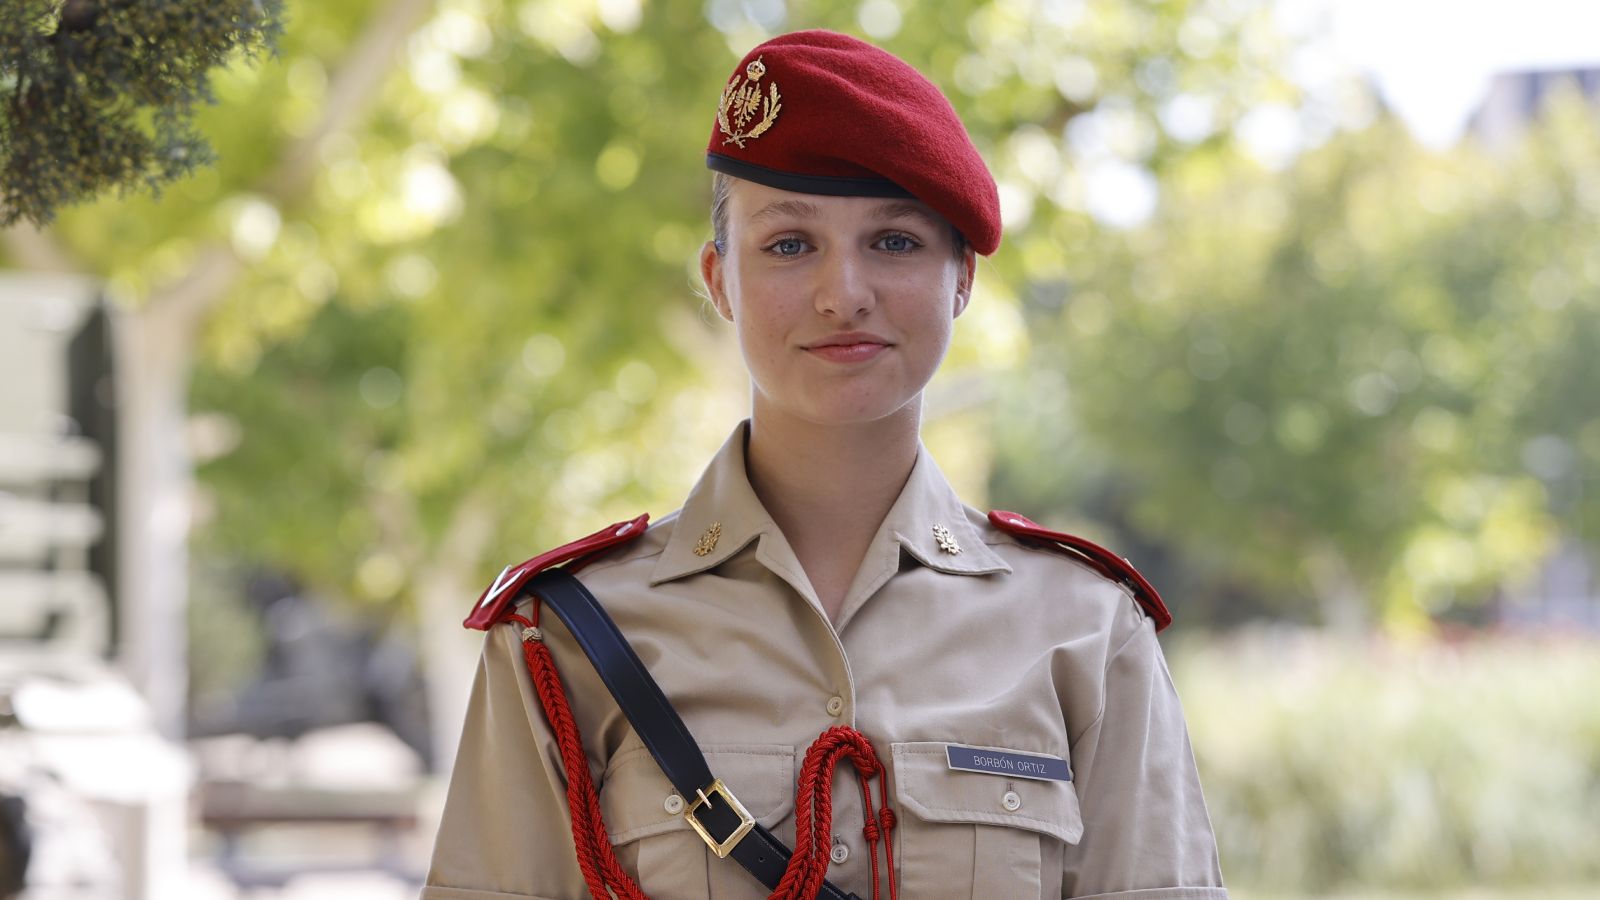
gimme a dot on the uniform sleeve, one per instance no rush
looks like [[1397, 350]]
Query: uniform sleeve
[[1146, 833], [506, 831]]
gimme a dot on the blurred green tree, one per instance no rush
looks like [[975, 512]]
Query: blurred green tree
[[453, 217], [1365, 381], [527, 407], [405, 273], [170, 265], [98, 95]]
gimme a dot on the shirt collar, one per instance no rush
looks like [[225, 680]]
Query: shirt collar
[[935, 527], [723, 515]]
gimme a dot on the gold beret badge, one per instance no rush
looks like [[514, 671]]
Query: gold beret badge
[[741, 100]]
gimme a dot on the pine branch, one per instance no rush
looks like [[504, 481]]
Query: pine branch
[[101, 93]]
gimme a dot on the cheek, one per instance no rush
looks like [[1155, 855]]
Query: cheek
[[939, 342], [764, 312], [753, 339], [761, 330], [933, 310]]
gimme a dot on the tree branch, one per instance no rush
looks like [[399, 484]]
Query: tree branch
[[216, 267], [350, 93]]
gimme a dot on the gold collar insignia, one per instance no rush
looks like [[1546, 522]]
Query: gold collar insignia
[[708, 540]]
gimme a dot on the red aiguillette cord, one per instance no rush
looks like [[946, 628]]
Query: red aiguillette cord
[[813, 807]]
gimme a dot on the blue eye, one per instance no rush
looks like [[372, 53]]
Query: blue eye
[[898, 243], [787, 247]]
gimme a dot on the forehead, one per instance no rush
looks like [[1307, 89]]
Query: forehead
[[754, 204]]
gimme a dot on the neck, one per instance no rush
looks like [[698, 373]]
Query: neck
[[829, 487], [842, 478]]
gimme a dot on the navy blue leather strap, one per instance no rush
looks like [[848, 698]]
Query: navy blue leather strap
[[658, 724]]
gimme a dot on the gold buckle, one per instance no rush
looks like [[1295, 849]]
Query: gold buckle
[[746, 821]]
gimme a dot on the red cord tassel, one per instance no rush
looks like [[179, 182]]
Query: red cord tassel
[[813, 813]]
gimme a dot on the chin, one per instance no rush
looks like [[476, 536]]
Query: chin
[[857, 410]]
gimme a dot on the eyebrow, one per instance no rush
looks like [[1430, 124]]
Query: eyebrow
[[799, 209], [802, 209]]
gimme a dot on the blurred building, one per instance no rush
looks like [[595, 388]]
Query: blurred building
[[1514, 100], [57, 542], [95, 797]]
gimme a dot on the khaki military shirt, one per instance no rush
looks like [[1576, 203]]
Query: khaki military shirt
[[1002, 645]]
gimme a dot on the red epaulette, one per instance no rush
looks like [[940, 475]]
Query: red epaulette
[[497, 598], [1098, 558]]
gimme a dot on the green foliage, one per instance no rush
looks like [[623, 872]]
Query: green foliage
[[1349, 767], [98, 94], [527, 371], [1361, 380], [323, 415], [551, 377], [1325, 383]]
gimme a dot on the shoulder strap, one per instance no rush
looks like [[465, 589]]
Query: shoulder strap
[[497, 598], [714, 811], [1097, 557]]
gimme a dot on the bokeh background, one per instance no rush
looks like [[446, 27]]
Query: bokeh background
[[1298, 308]]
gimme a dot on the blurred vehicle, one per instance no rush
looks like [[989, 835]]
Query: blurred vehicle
[[319, 669], [314, 764], [91, 790]]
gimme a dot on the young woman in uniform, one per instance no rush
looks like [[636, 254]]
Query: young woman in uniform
[[823, 597]]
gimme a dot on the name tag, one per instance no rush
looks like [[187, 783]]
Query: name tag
[[1004, 762]]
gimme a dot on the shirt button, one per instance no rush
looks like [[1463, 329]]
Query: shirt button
[[1011, 801], [835, 705], [839, 854], [674, 805]]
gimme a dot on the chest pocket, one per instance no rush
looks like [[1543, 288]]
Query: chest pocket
[[656, 845], [1008, 832]]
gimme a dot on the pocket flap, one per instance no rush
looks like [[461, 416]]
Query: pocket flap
[[634, 792], [926, 786]]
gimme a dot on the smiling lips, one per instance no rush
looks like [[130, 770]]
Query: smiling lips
[[848, 347]]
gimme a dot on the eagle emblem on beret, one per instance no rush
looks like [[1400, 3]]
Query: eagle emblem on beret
[[742, 100]]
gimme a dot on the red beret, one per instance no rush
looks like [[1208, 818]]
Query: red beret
[[817, 112]]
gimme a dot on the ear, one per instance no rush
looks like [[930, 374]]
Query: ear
[[964, 278], [711, 272]]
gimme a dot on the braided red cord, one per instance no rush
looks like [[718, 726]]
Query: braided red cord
[[888, 819], [813, 805], [596, 857], [813, 813]]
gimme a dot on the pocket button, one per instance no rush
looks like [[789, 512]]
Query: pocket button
[[1011, 801], [839, 853]]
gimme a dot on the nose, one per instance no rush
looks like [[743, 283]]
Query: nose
[[844, 290]]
